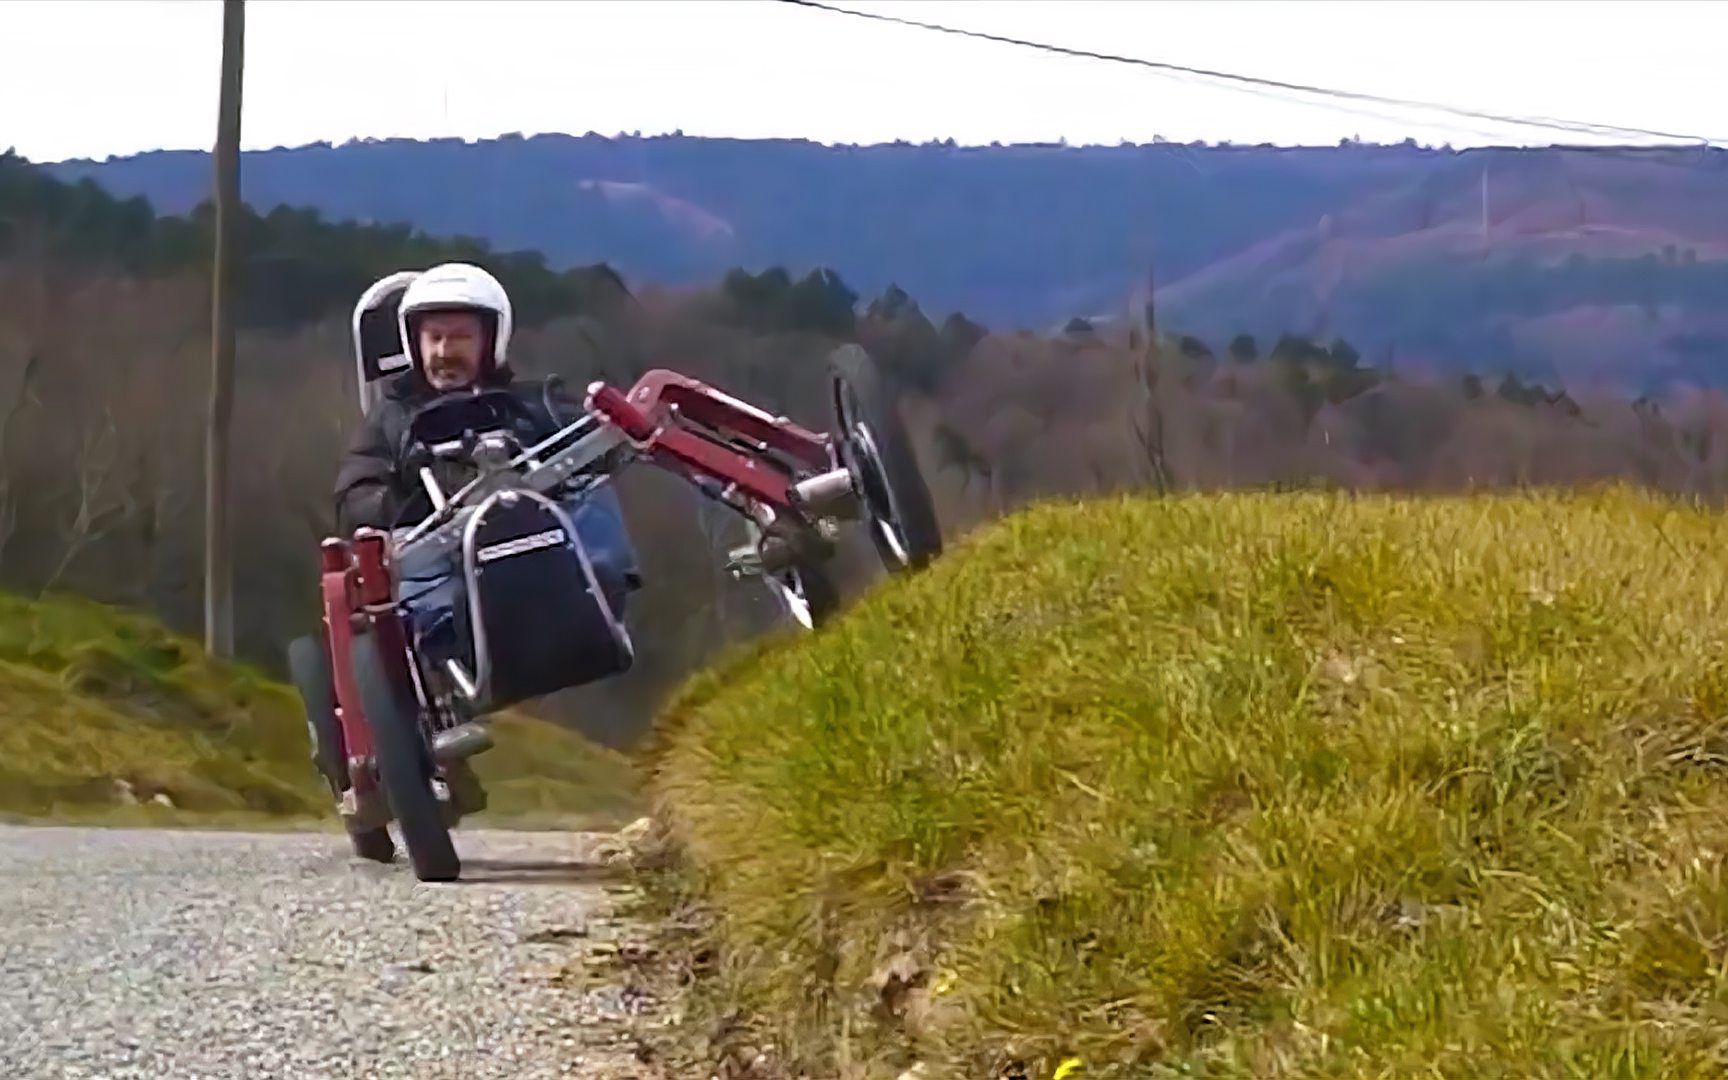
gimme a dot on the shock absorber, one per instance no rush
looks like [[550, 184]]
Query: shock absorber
[[827, 493]]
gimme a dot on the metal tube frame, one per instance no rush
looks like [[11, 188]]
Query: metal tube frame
[[477, 686], [648, 421]]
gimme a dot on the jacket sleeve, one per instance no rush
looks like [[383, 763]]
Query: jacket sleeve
[[368, 490]]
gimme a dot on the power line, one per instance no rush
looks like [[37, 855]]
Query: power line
[[1577, 127]]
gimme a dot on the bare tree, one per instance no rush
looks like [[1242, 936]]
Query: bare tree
[[103, 502], [1147, 422], [20, 397], [218, 554]]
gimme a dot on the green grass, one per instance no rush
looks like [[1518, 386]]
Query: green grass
[[1245, 785], [91, 695], [540, 775]]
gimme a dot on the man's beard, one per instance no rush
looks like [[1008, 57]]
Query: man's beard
[[449, 376]]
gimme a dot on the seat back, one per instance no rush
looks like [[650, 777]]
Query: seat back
[[377, 338]]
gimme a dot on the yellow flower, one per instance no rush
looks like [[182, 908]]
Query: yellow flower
[[1069, 1065]]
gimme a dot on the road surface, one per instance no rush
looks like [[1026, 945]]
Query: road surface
[[137, 953]]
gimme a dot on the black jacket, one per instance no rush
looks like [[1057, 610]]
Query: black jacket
[[378, 482]]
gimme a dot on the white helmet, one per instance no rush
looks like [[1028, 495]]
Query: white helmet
[[463, 287]]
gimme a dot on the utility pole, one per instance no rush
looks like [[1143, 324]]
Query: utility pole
[[218, 545]]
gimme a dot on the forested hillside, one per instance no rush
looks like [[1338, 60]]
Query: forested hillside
[[1586, 266]]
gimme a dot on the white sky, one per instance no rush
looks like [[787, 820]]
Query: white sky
[[93, 78]]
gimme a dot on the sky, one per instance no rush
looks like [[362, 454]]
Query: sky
[[99, 78]]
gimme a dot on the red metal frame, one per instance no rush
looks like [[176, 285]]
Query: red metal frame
[[357, 577], [646, 415], [359, 595], [712, 406], [337, 585]]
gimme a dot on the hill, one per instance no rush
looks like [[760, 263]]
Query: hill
[[1046, 224], [110, 717], [1232, 785], [1595, 264], [1579, 267]]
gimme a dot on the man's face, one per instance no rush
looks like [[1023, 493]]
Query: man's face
[[451, 344]]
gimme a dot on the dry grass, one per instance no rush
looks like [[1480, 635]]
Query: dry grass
[[91, 695], [1246, 785]]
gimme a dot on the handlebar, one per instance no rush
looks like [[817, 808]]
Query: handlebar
[[597, 439]]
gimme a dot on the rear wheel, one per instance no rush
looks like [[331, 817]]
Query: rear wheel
[[309, 668], [877, 450], [404, 763]]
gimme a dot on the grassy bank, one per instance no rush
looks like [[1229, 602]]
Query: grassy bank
[[1246, 785], [102, 711]]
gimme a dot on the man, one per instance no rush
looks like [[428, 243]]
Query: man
[[455, 321]]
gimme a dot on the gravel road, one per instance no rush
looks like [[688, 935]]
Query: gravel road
[[167, 954]]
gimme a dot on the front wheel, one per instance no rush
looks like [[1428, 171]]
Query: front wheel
[[875, 447], [404, 763]]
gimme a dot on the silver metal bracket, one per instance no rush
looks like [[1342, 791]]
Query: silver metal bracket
[[465, 682], [462, 741]]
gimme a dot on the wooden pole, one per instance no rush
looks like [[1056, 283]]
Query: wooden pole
[[218, 547]]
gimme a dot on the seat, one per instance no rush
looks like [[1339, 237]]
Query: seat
[[377, 337]]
